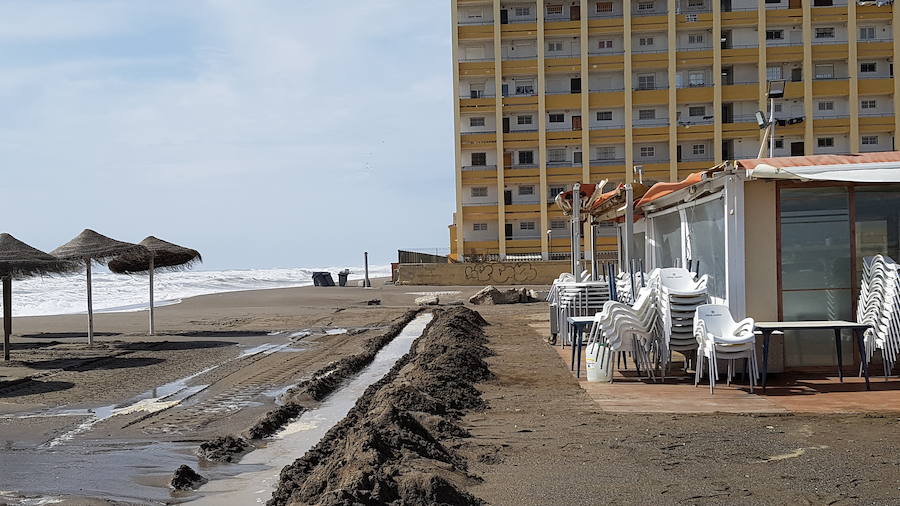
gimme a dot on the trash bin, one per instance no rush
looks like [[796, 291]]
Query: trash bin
[[342, 277], [322, 279]]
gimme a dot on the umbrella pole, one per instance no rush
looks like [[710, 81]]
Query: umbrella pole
[[90, 304], [7, 315], [152, 328]]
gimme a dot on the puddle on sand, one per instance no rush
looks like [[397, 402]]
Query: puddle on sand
[[250, 485]]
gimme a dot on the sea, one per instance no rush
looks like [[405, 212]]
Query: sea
[[117, 293]]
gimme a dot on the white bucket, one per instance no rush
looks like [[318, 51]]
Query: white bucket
[[595, 373]]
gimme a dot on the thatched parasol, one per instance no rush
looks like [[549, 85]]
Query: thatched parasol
[[18, 261], [163, 256], [90, 246]]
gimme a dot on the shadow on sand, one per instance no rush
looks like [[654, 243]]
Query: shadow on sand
[[223, 333], [32, 387], [92, 364], [66, 335], [172, 345]]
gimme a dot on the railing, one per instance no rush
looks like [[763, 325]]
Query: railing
[[522, 237], [558, 127], [703, 121], [648, 12], [517, 57], [563, 164], [876, 114], [478, 132], [651, 88], [695, 48], [607, 127], [463, 59], [477, 95], [829, 78], [607, 90], [830, 116], [524, 166], [865, 41], [861, 76], [782, 43], [559, 54], [695, 85], [513, 20], [696, 158], [741, 46], [605, 52], [521, 130], [649, 51], [650, 123], [604, 15], [742, 118], [608, 161], [562, 92], [476, 22], [479, 167], [486, 203], [825, 41], [735, 83], [532, 94], [650, 159]]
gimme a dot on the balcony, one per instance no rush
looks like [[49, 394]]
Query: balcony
[[605, 52], [475, 21], [563, 164], [517, 20], [740, 118], [817, 115], [825, 41], [476, 95], [479, 167], [611, 126], [695, 48], [608, 161], [695, 85], [652, 50], [606, 90], [464, 59], [478, 132], [485, 203], [705, 120], [562, 54], [649, 123], [519, 57], [648, 12], [561, 127], [651, 87], [524, 166], [604, 15], [783, 43]]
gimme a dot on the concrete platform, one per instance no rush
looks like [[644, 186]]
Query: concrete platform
[[786, 393]]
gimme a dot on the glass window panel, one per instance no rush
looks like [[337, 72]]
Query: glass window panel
[[667, 230], [815, 238], [813, 347], [706, 232]]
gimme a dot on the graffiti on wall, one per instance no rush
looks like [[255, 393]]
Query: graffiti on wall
[[501, 273]]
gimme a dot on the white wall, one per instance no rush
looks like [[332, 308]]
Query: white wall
[[606, 81], [467, 156], [742, 37], [683, 38], [514, 125], [884, 104], [476, 14], [620, 152], [687, 150], [882, 68], [882, 31], [617, 121], [745, 74], [468, 199], [519, 49], [571, 47], [885, 143], [841, 107], [525, 199], [567, 124], [465, 87], [489, 123], [470, 234], [475, 51], [840, 32], [617, 44], [560, 83], [661, 154], [662, 115], [841, 145], [684, 115], [660, 42]]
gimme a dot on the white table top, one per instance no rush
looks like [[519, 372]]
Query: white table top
[[580, 319], [811, 325]]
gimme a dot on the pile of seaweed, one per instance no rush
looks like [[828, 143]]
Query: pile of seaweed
[[390, 449]]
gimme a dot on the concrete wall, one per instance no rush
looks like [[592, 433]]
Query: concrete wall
[[761, 261], [481, 274]]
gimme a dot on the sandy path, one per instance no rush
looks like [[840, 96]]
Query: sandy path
[[543, 441]]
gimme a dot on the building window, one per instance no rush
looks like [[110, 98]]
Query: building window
[[557, 224], [645, 6], [698, 149], [479, 158], [526, 190], [524, 87], [696, 78], [694, 4], [826, 105], [867, 33], [479, 191], [524, 120], [646, 81], [868, 66], [526, 225], [778, 107], [695, 38], [556, 155], [868, 104], [476, 122], [774, 73], [606, 153], [825, 142], [869, 140], [576, 157], [697, 110], [645, 41], [825, 71], [604, 116], [774, 34], [646, 114], [554, 10], [526, 157], [556, 190], [648, 151], [479, 227], [554, 47], [825, 32], [557, 118], [523, 11], [604, 7], [605, 44], [779, 143]]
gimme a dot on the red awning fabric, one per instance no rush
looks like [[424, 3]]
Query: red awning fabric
[[660, 190], [606, 196], [807, 161], [586, 190]]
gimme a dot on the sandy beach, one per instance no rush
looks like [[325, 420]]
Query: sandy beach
[[535, 436]]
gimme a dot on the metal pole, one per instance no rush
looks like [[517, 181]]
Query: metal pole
[[367, 283], [7, 315], [593, 253], [628, 231], [772, 126], [90, 304], [152, 326], [576, 226]]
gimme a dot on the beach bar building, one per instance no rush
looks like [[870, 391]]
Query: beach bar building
[[782, 239]]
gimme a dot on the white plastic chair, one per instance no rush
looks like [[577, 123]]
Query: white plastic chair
[[719, 337]]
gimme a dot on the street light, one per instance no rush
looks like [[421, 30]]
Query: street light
[[775, 90]]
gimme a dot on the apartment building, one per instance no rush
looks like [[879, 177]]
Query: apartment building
[[551, 92]]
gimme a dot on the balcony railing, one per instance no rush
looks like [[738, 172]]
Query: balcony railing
[[650, 50], [560, 92], [562, 164], [464, 59], [472, 95], [876, 114], [695, 85], [696, 158], [479, 167], [650, 159], [647, 123], [485, 203], [782, 43], [741, 118], [611, 126], [740, 46], [864, 76], [476, 21], [607, 161], [657, 86], [558, 127], [562, 54], [648, 12], [816, 115], [521, 130], [706, 120], [606, 90], [605, 52], [706, 47], [524, 166], [825, 41], [604, 15], [522, 19], [478, 132]]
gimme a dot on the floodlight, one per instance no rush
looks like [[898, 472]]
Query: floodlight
[[776, 89], [761, 120]]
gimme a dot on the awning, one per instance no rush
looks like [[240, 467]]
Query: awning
[[660, 190], [882, 167]]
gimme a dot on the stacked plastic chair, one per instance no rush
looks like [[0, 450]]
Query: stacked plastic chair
[[624, 328], [569, 297], [680, 296], [879, 299], [719, 337]]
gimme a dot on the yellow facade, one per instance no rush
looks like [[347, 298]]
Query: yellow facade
[[621, 59]]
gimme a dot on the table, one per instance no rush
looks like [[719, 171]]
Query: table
[[858, 329], [578, 324]]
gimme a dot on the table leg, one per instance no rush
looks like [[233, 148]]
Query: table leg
[[574, 329], [765, 372], [840, 355], [860, 342], [578, 359]]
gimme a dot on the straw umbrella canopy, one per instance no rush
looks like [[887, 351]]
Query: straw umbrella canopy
[[18, 261], [163, 256], [89, 246]]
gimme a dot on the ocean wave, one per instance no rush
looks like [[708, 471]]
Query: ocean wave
[[115, 292]]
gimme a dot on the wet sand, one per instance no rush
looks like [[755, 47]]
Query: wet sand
[[539, 440]]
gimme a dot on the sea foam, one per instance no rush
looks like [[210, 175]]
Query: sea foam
[[115, 292]]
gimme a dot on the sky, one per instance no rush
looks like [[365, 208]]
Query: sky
[[264, 133]]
